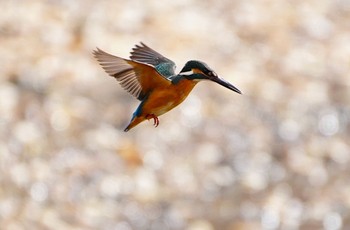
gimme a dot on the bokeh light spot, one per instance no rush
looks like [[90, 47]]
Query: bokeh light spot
[[39, 191], [60, 120], [328, 123], [270, 219], [332, 221]]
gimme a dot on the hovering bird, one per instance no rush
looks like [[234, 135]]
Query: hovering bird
[[151, 78]]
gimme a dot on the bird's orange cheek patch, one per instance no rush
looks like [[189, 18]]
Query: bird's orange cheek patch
[[197, 71]]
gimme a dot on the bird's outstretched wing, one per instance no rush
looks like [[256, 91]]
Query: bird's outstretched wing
[[143, 53], [136, 78]]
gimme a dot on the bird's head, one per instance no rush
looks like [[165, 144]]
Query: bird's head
[[197, 71]]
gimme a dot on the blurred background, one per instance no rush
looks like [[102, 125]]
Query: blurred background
[[276, 157]]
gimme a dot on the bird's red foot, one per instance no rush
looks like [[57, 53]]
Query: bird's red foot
[[155, 119]]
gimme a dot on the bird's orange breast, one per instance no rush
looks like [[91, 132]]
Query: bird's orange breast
[[163, 99]]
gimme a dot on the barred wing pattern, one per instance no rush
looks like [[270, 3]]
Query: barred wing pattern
[[144, 54], [120, 69]]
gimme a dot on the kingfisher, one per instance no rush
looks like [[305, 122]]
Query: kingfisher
[[151, 78]]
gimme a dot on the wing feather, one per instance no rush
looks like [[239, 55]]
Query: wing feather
[[143, 53], [135, 77], [120, 69]]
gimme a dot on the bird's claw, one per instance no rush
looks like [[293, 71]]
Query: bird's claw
[[155, 119]]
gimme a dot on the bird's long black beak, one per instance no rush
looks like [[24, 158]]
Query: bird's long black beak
[[226, 84]]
